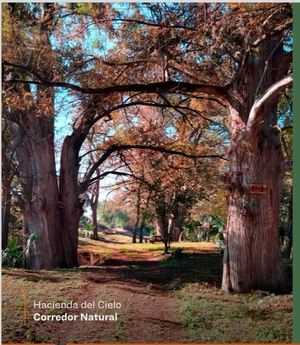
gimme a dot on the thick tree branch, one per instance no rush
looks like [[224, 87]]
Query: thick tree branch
[[268, 97], [159, 87]]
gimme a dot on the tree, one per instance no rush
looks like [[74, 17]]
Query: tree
[[243, 67], [255, 157], [32, 128]]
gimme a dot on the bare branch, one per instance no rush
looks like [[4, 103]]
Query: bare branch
[[269, 95]]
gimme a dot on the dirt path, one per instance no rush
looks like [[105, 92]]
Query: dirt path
[[148, 310], [148, 314]]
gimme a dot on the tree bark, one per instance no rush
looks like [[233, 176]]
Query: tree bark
[[32, 127], [252, 258], [35, 152], [71, 205]]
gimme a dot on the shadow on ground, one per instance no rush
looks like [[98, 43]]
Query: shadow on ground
[[166, 274], [56, 276]]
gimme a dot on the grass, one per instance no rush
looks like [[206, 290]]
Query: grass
[[91, 247], [47, 286], [187, 246], [110, 242], [210, 315]]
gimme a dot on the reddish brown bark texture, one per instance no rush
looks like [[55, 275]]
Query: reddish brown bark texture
[[252, 256], [38, 178]]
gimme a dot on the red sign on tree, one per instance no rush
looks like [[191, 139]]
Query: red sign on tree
[[258, 189]]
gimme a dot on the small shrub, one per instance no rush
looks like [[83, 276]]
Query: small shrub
[[16, 256], [190, 230], [12, 254], [89, 227]]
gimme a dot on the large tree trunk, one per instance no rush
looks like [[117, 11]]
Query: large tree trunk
[[33, 135], [35, 152], [252, 257], [32, 127], [71, 205]]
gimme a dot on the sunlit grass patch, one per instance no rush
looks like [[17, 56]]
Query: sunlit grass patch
[[116, 241], [104, 251], [210, 315]]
